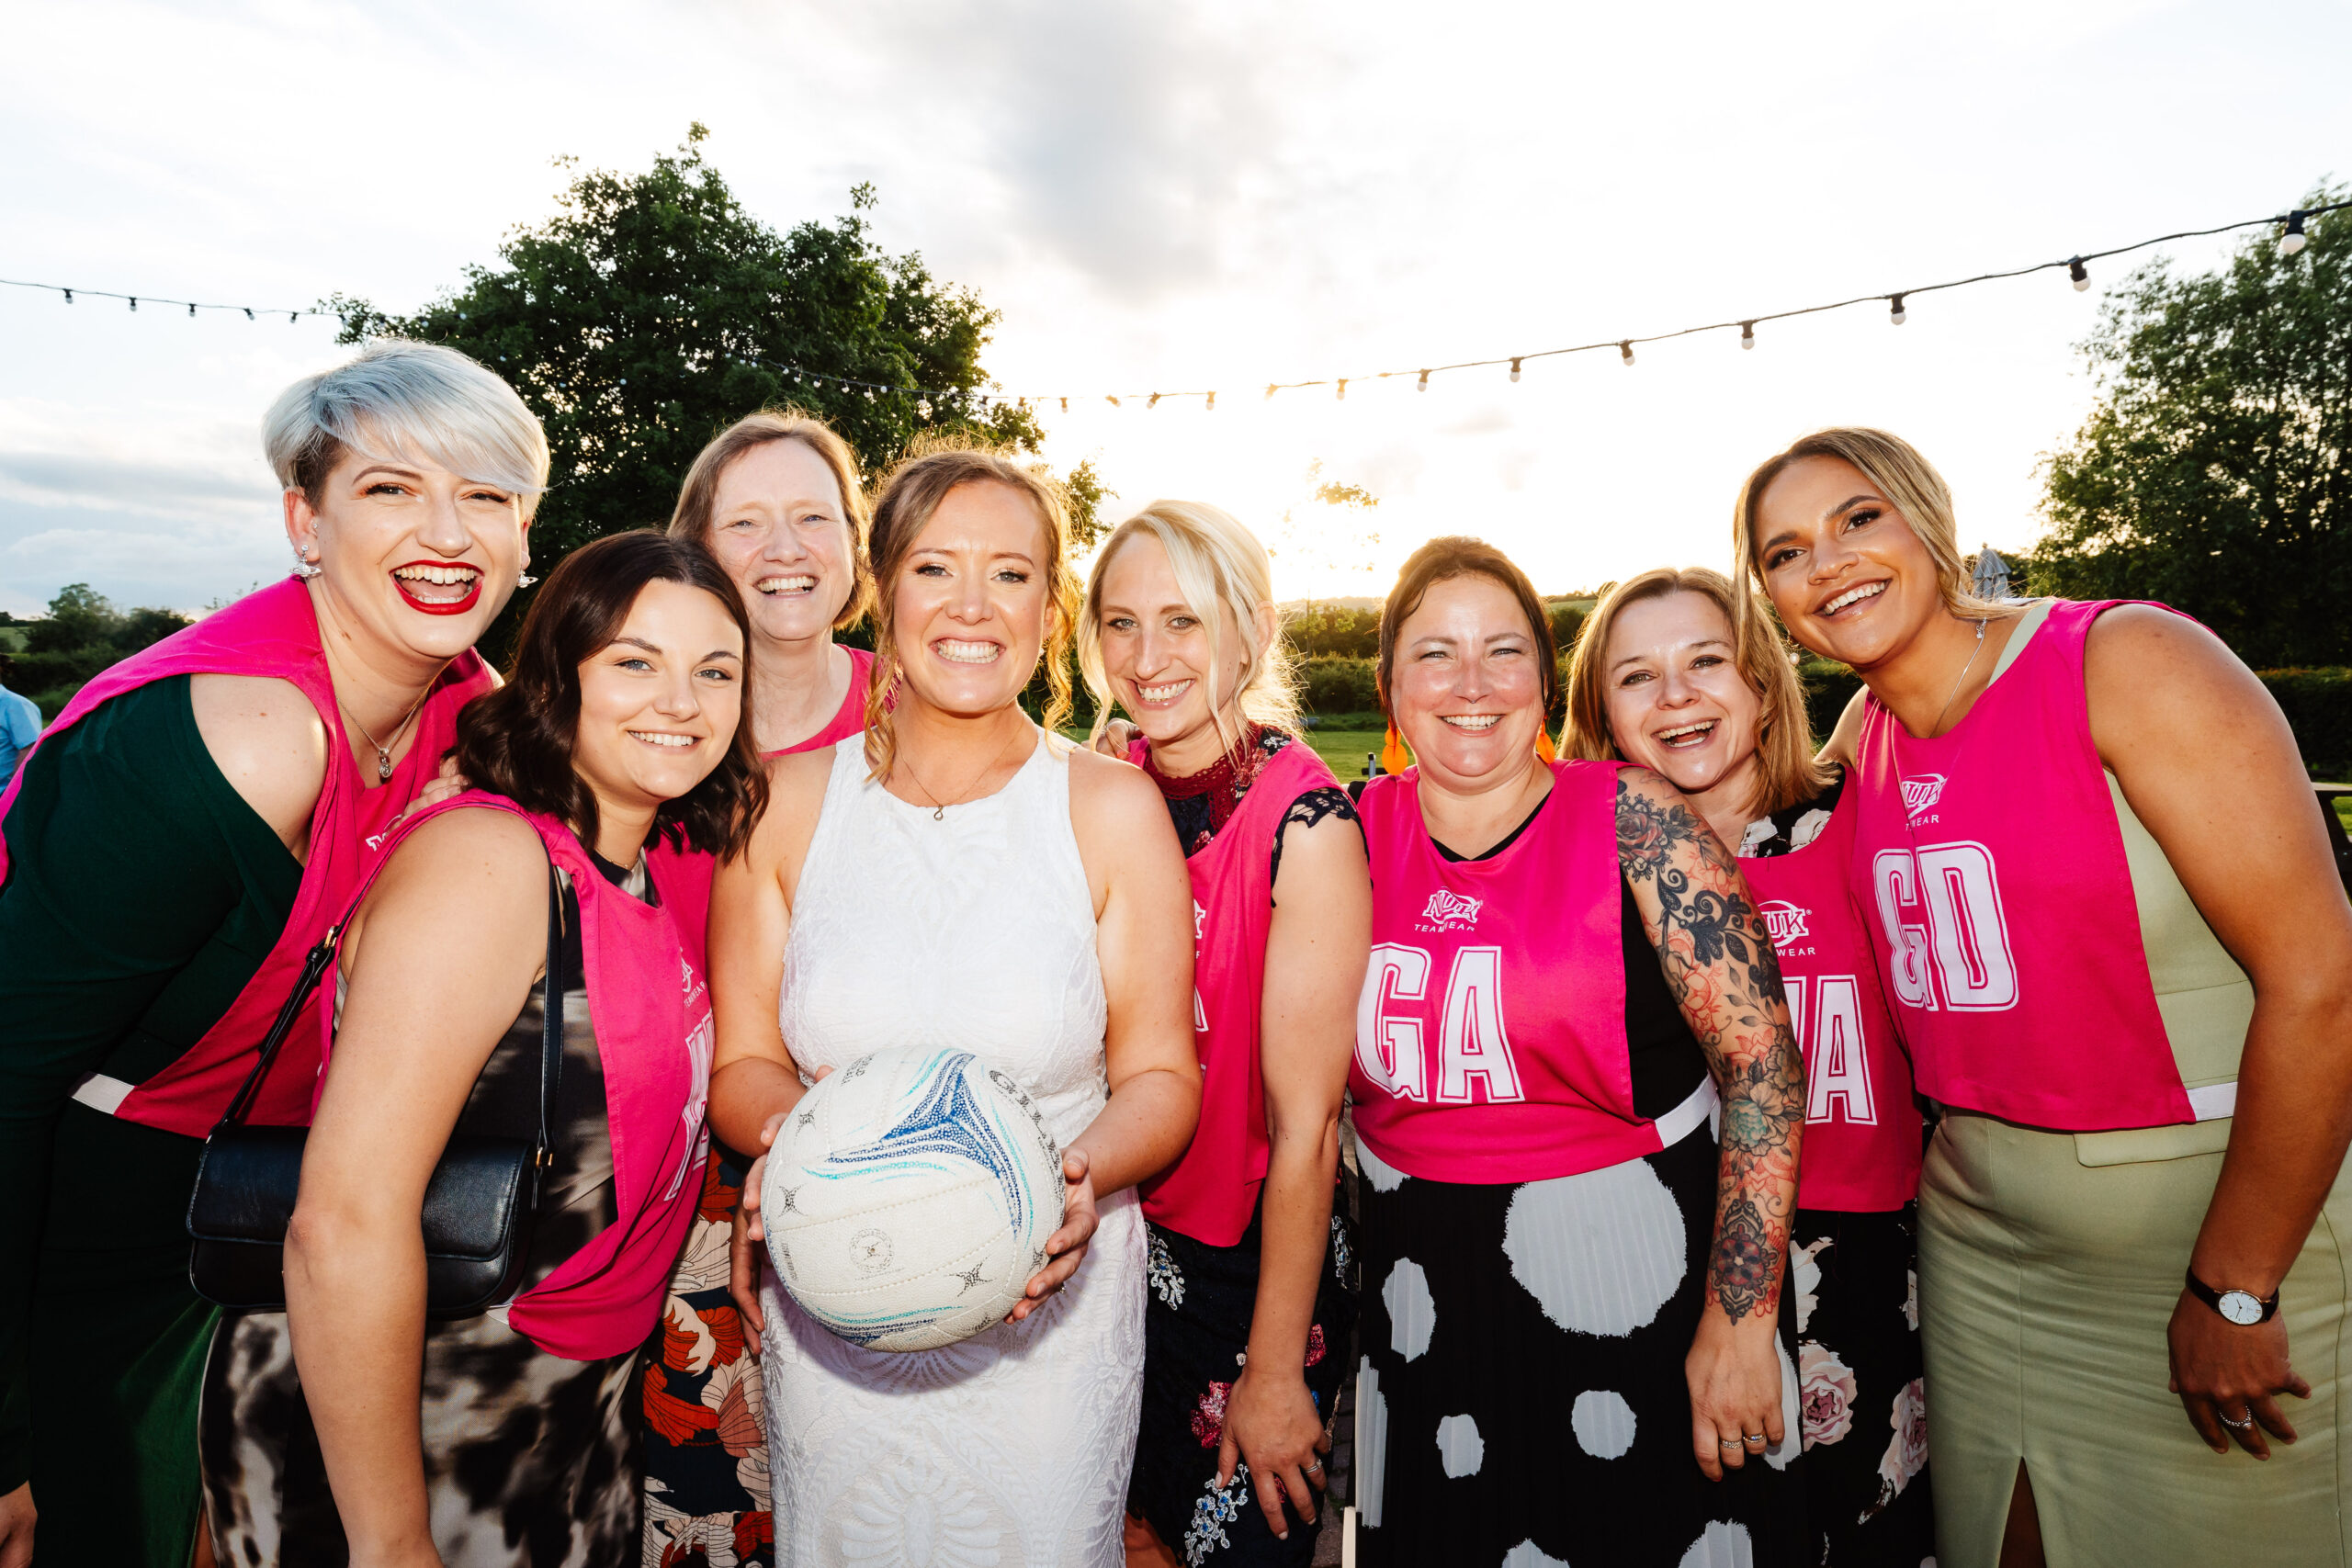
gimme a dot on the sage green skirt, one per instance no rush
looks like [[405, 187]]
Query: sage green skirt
[[2049, 1267]]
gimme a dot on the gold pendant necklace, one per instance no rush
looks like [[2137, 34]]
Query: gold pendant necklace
[[938, 807]]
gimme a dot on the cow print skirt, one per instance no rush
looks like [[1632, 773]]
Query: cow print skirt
[[1522, 1401], [530, 1460]]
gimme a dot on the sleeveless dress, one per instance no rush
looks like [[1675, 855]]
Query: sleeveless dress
[[974, 930], [2054, 1230], [706, 1456]]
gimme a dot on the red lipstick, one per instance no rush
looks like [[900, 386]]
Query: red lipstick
[[439, 607]]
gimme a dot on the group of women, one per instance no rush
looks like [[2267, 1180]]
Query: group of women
[[1648, 1254]]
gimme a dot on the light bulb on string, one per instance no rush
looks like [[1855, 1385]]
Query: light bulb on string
[[1423, 384], [2079, 273], [293, 316], [1112, 400], [191, 311], [1514, 372], [2293, 240], [1211, 406], [1747, 334], [1270, 392], [1154, 402], [249, 312], [1343, 388], [1895, 315], [1065, 405], [134, 301], [1626, 352], [69, 299]]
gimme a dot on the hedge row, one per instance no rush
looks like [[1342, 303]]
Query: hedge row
[[2317, 702]]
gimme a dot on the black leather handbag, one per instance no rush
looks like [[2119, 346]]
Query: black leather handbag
[[479, 1207]]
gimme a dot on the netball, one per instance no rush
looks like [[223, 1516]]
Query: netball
[[909, 1198]]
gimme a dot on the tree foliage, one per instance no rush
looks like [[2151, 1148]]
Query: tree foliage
[[82, 635], [651, 311], [2215, 473]]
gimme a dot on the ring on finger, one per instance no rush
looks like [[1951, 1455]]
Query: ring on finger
[[1727, 1442], [2239, 1425], [1753, 1439], [1314, 1467]]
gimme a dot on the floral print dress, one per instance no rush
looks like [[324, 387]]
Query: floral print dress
[[1854, 1286]]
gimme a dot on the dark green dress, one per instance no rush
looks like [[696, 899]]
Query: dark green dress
[[143, 895]]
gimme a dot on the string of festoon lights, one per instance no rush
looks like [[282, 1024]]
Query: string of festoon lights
[[2292, 237]]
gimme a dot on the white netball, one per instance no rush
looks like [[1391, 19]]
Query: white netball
[[908, 1196]]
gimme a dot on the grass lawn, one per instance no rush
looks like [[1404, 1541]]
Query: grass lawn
[[1343, 750]]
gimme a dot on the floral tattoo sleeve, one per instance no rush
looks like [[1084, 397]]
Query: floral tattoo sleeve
[[1718, 960]]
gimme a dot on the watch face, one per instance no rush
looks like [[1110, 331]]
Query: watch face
[[2241, 1308]]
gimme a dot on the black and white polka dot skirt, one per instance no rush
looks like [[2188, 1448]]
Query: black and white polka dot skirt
[[1520, 1399]]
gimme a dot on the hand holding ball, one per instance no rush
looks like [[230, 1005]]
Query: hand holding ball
[[908, 1199]]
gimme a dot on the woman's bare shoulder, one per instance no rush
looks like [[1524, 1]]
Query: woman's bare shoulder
[[268, 742]]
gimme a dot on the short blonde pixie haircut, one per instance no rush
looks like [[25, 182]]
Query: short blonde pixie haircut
[[1786, 772], [692, 518], [397, 400], [1899, 473], [910, 498], [1221, 568]]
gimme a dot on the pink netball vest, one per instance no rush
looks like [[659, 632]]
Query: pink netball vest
[[273, 632], [1490, 1037], [1861, 1128], [653, 1033], [1210, 1193], [2006, 927], [684, 877]]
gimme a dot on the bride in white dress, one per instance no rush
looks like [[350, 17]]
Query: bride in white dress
[[959, 877]]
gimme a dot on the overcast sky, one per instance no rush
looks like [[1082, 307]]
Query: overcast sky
[[1169, 195]]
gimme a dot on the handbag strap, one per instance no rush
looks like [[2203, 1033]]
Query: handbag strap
[[314, 967], [552, 1024]]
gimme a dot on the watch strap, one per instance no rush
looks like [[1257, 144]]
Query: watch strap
[[2212, 1298]]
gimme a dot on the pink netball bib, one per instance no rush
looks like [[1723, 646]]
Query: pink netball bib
[[1861, 1127], [2003, 915], [1490, 1037], [1210, 1193], [273, 632], [653, 1034]]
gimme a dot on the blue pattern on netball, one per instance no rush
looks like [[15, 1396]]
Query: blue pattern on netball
[[909, 1197]]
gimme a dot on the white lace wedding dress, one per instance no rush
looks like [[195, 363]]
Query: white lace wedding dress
[[1011, 1449]]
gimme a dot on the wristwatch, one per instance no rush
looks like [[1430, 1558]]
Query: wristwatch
[[2242, 1307]]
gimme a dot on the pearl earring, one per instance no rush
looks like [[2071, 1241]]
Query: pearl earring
[[304, 566]]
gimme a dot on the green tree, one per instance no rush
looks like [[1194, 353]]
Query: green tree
[[82, 635], [651, 311], [2215, 472]]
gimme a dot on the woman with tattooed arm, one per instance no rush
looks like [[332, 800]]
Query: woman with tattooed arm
[[1568, 979]]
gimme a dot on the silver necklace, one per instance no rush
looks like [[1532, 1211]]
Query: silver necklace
[[384, 752], [938, 807], [1937, 728]]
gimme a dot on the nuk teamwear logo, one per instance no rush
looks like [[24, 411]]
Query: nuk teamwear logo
[[1785, 921], [1922, 792], [1451, 912]]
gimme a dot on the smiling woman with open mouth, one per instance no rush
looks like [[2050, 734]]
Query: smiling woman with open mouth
[[174, 846]]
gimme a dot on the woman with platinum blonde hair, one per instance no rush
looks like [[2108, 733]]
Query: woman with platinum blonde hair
[[2109, 925], [1672, 675], [1035, 889], [1252, 1270], [174, 846]]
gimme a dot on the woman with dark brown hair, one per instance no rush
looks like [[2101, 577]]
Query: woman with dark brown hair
[[1569, 978], [962, 878], [347, 1425]]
